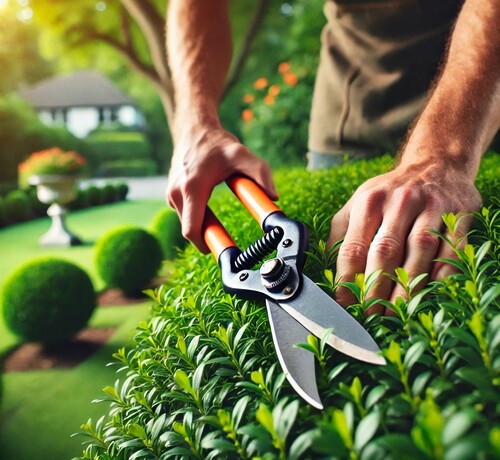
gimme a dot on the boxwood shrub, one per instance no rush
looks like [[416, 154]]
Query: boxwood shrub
[[17, 206], [202, 379], [128, 258], [167, 229], [47, 300]]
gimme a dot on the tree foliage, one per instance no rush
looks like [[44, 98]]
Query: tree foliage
[[20, 58]]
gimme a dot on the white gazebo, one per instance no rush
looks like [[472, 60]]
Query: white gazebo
[[81, 101]]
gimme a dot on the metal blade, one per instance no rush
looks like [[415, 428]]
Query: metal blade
[[297, 363], [317, 311]]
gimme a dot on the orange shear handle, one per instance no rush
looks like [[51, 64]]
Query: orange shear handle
[[253, 197], [255, 201]]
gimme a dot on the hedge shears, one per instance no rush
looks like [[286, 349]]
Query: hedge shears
[[296, 306]]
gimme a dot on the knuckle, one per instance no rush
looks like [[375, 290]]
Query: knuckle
[[372, 198], [424, 240], [354, 251], [387, 248]]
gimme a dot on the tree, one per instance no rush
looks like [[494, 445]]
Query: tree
[[134, 29], [20, 58]]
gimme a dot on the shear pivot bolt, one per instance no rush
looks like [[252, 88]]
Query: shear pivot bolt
[[274, 273]]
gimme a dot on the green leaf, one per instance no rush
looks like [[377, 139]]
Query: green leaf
[[366, 429], [402, 276], [265, 418], [339, 421], [491, 295], [458, 424], [182, 381], [450, 220], [181, 344], [111, 391], [393, 353], [258, 378], [329, 276], [137, 431], [413, 354], [469, 254], [375, 395]]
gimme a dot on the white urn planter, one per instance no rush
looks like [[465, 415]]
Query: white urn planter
[[56, 190]]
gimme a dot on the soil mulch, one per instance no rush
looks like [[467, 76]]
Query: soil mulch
[[34, 356]]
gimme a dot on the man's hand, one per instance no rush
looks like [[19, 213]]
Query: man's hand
[[386, 225], [200, 162], [387, 221]]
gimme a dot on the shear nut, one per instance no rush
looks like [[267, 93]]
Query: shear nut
[[274, 273]]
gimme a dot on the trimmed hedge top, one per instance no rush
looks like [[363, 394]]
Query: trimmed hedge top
[[202, 380]]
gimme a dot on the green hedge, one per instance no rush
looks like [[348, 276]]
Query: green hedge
[[202, 380], [126, 168], [119, 153], [23, 204], [22, 133]]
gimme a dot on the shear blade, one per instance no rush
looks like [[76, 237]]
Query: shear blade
[[317, 311], [297, 363]]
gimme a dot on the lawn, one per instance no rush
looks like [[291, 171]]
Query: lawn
[[39, 409]]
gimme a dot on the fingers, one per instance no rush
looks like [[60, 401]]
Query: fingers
[[193, 213], [422, 247], [192, 180], [384, 231], [189, 203], [364, 216]]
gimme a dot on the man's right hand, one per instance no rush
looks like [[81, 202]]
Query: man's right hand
[[202, 160]]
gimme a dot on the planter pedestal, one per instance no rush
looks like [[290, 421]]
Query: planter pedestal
[[58, 234], [56, 190]]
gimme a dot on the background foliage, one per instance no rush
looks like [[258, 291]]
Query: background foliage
[[203, 382], [39, 38]]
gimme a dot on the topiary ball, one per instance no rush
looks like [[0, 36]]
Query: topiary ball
[[167, 228], [122, 190], [17, 206], [109, 193], [128, 258], [48, 300]]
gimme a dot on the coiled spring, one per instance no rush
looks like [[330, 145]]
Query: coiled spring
[[258, 250]]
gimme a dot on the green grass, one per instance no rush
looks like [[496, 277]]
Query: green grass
[[42, 409]]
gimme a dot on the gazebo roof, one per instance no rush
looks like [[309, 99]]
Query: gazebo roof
[[81, 89]]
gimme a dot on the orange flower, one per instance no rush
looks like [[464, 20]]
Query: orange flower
[[260, 83], [274, 90], [248, 98], [269, 100], [247, 115], [284, 67], [290, 78]]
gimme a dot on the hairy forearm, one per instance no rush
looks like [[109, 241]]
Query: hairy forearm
[[199, 49], [463, 111]]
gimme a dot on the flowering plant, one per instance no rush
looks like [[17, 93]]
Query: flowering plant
[[275, 113], [53, 161]]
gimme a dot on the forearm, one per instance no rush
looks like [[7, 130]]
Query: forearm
[[199, 49], [463, 112]]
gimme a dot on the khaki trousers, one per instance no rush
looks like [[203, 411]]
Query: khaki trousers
[[378, 60]]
